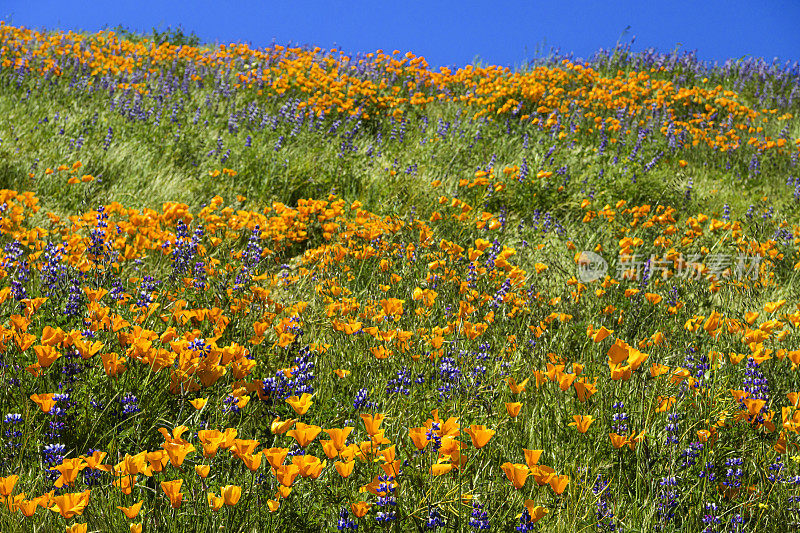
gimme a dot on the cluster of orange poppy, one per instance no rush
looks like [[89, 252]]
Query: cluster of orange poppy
[[451, 296], [329, 81]]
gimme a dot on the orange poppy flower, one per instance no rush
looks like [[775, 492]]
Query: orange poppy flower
[[739, 395], [172, 490], [69, 468], [28, 507], [665, 404], [132, 511], [286, 474], [517, 388], [584, 390], [70, 504], [214, 501], [419, 436], [636, 358], [157, 460], [771, 307], [621, 372], [44, 401], [582, 422], [202, 470], [794, 398], [304, 434], [516, 473], [301, 404], [243, 446], [279, 427], [480, 435], [77, 528], [754, 406], [618, 441], [450, 428], [389, 454], [177, 452], [532, 457], [275, 456], [176, 434], [392, 468], [339, 436], [559, 484], [452, 448], [542, 474], [513, 409], [600, 334], [565, 381], [658, 370], [52, 336], [125, 482], [635, 439], [252, 460], [210, 442], [7, 485], [88, 349], [441, 468], [13, 502], [344, 468], [618, 352], [230, 436], [535, 511], [113, 364], [330, 450], [309, 466], [372, 422], [654, 299], [231, 494], [45, 355], [24, 341], [198, 403], [360, 509], [703, 435], [380, 352]]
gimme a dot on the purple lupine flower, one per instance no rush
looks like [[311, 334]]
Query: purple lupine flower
[[620, 418], [387, 501], [435, 518], [668, 496], [710, 518], [361, 401], [478, 518], [401, 383], [12, 435], [733, 473], [604, 512], [345, 523]]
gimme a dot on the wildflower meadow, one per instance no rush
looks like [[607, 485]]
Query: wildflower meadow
[[293, 289]]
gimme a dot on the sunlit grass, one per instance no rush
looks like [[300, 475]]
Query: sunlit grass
[[287, 290]]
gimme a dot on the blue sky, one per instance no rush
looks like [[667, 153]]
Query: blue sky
[[446, 32]]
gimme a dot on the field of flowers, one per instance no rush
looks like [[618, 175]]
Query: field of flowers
[[290, 289]]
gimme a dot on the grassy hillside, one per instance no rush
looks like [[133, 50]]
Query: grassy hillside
[[293, 289]]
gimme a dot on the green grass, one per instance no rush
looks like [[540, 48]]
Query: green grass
[[390, 167]]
